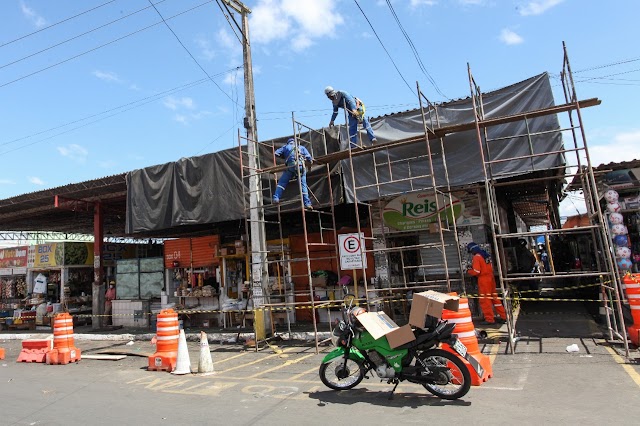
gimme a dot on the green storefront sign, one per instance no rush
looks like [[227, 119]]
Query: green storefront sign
[[416, 211]]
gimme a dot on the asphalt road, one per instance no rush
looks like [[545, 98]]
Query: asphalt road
[[541, 383]]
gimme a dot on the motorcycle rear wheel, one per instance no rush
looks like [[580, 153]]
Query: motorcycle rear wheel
[[338, 376], [454, 382]]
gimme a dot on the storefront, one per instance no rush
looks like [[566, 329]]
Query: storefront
[[13, 284]]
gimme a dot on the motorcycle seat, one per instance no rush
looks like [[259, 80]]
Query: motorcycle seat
[[442, 332]]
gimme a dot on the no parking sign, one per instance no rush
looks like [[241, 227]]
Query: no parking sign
[[351, 256]]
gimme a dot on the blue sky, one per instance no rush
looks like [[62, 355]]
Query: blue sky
[[82, 97]]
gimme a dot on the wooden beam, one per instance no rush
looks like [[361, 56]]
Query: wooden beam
[[446, 130]]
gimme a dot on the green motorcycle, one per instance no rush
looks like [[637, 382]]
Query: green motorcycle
[[421, 361]]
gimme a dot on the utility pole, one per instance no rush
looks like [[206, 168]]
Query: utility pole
[[259, 270]]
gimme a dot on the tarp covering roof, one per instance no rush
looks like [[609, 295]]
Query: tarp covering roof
[[208, 188]]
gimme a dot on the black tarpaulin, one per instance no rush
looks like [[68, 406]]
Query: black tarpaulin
[[208, 188], [403, 166]]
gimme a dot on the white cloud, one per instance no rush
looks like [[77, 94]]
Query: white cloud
[[298, 22], [181, 119], [206, 51], [510, 37], [617, 150], [538, 7], [107, 76], [74, 152], [175, 103], [7, 182], [31, 14], [35, 180]]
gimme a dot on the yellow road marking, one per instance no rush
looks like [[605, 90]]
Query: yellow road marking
[[230, 358], [311, 370], [493, 353], [286, 364], [256, 361], [629, 369]]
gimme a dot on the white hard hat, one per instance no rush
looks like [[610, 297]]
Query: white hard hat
[[329, 91]]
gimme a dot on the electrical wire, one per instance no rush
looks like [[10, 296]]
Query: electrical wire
[[57, 23], [415, 51], [76, 37], [190, 54], [100, 47], [383, 46], [135, 104]]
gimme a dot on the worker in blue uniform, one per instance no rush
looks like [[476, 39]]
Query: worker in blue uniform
[[295, 157], [355, 111]]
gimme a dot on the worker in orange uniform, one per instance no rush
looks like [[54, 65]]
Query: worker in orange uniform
[[481, 268], [108, 297]]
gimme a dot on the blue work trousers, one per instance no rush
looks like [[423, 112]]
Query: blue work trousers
[[287, 175], [353, 129]]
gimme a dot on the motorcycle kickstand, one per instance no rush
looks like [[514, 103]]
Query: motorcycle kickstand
[[397, 382]]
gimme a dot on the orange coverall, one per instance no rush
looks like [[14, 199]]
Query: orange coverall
[[487, 288]]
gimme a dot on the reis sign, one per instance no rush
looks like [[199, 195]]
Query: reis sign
[[416, 211]]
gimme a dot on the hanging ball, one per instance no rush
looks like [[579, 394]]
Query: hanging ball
[[621, 240], [619, 229], [616, 218], [613, 207], [624, 264], [611, 196], [623, 252]]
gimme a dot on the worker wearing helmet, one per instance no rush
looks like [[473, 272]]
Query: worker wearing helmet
[[294, 156], [355, 112], [481, 268], [109, 296]]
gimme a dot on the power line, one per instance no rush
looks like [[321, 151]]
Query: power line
[[100, 47], [135, 104], [57, 23], [77, 36], [415, 51], [192, 57], [383, 46]]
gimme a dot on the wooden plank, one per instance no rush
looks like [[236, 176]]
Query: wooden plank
[[443, 131], [126, 352], [103, 357]]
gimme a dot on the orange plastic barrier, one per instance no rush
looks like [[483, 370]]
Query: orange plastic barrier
[[467, 334], [632, 288], [64, 350], [167, 334], [35, 350], [1, 353]]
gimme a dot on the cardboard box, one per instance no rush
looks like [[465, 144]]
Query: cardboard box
[[241, 250], [379, 324], [226, 251], [430, 303], [238, 243]]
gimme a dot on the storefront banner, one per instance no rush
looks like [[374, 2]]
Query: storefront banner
[[15, 256], [47, 255], [112, 252], [416, 211], [77, 253], [6, 272]]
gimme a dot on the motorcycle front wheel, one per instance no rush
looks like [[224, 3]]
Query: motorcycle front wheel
[[452, 379], [340, 376]]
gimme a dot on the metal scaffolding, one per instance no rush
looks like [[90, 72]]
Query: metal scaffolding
[[540, 189], [430, 260]]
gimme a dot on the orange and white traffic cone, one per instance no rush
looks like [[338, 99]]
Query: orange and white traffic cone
[[64, 350], [166, 340], [467, 334]]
